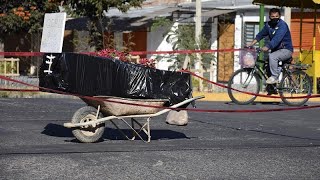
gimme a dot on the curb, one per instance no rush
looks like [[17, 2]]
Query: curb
[[5, 94], [214, 96]]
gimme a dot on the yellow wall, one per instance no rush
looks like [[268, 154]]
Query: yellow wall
[[307, 58]]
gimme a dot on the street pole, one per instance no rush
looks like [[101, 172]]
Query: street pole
[[198, 19], [287, 16], [261, 43], [197, 40], [261, 24]]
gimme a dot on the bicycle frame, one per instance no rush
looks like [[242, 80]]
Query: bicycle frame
[[261, 73], [263, 76], [258, 70]]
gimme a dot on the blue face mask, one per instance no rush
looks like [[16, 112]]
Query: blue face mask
[[273, 22]]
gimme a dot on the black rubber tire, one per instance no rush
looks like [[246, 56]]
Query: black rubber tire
[[241, 100], [87, 134], [307, 88]]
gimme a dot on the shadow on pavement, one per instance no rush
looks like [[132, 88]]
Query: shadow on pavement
[[58, 130]]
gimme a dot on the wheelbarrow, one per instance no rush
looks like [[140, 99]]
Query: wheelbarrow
[[88, 123]]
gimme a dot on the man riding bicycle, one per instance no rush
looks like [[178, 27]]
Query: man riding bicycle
[[280, 43]]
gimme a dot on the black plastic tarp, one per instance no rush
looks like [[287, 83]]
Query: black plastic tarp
[[92, 76]]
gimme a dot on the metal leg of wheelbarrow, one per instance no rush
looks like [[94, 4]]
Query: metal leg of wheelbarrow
[[143, 127]]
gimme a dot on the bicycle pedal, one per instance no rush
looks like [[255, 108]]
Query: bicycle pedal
[[271, 89]]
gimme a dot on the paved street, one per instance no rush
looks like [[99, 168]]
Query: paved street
[[266, 145]]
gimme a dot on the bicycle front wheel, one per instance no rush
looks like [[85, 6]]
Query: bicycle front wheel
[[244, 80], [295, 84]]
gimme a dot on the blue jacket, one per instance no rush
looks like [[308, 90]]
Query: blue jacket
[[280, 36]]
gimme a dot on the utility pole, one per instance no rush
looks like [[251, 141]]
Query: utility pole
[[198, 30], [287, 16], [261, 24], [198, 19]]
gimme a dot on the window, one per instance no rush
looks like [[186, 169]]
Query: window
[[251, 29]]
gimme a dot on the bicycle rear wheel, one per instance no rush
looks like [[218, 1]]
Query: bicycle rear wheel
[[243, 80], [295, 84]]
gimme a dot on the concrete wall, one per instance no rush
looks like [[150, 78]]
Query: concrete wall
[[156, 41]]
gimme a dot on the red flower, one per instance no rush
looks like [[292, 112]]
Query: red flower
[[148, 62], [112, 53]]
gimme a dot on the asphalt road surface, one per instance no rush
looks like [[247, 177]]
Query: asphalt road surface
[[265, 145]]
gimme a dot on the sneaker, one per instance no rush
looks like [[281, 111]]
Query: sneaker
[[272, 80]]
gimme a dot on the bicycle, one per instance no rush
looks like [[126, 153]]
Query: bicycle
[[252, 76]]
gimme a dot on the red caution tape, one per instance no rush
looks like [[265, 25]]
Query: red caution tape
[[182, 51], [30, 54], [161, 107], [261, 95]]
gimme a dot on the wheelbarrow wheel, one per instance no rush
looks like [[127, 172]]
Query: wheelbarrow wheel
[[87, 134]]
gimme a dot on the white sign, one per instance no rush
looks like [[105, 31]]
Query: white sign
[[53, 32]]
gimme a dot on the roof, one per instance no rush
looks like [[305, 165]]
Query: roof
[[224, 5], [152, 11], [143, 16], [164, 10], [187, 16], [216, 12], [289, 3], [137, 18], [217, 4]]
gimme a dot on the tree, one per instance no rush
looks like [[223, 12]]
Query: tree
[[23, 20], [94, 9], [182, 38], [27, 16], [24, 16]]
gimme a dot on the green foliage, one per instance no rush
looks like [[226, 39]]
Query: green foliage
[[24, 16], [161, 22], [27, 16], [195, 83], [93, 9], [183, 38]]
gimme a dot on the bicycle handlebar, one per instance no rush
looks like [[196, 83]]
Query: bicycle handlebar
[[258, 49]]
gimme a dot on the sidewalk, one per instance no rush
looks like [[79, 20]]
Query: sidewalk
[[224, 97]]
